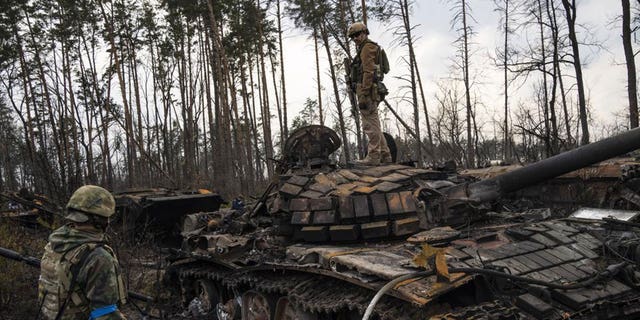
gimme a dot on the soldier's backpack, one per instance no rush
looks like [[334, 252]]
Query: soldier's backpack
[[383, 62], [383, 66]]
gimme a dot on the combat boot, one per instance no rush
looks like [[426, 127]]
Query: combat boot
[[386, 158], [369, 160]]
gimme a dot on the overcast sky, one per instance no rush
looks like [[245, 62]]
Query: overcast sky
[[604, 71]]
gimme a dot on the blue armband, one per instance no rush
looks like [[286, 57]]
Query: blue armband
[[102, 311]]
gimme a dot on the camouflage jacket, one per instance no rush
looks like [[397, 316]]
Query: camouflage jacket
[[98, 282], [368, 57]]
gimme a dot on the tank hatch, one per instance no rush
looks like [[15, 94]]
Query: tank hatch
[[310, 147]]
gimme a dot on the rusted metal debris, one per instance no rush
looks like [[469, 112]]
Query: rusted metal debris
[[160, 212], [29, 208]]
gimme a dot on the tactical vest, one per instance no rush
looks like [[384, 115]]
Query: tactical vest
[[382, 64], [55, 281]]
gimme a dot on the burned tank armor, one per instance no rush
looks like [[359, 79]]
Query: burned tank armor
[[398, 242]]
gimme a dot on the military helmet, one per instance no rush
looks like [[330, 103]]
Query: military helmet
[[356, 28], [90, 199]]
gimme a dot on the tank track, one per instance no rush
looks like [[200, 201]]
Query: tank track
[[493, 310], [312, 292], [623, 309]]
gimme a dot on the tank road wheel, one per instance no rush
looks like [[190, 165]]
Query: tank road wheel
[[208, 294], [257, 306], [285, 310]]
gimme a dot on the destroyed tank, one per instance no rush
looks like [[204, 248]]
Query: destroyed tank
[[398, 242]]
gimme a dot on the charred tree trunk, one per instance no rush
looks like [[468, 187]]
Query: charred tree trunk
[[631, 64], [404, 8], [318, 83], [341, 122], [282, 78], [467, 86], [570, 12], [266, 108], [545, 91]]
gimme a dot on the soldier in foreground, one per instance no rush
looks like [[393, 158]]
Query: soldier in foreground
[[80, 276], [365, 71]]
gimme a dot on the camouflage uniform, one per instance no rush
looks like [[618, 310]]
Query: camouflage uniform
[[368, 101], [97, 288]]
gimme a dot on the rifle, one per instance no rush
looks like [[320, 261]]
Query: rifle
[[35, 262], [351, 91], [351, 88]]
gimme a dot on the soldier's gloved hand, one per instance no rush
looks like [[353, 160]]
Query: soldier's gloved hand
[[363, 106]]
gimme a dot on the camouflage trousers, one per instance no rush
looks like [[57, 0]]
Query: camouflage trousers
[[378, 148]]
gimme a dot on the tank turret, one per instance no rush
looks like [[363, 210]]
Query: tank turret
[[460, 202], [399, 242]]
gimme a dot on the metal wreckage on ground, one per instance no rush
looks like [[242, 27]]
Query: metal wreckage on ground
[[158, 213], [398, 242], [27, 208]]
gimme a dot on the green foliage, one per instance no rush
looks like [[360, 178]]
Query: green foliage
[[308, 115], [9, 17], [245, 24], [310, 14]]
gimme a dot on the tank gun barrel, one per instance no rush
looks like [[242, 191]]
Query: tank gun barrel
[[555, 166], [459, 203]]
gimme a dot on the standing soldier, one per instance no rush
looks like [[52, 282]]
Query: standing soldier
[[80, 276], [365, 73]]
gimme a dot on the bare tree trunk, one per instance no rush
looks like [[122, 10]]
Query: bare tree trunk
[[554, 76], [247, 143], [89, 103], [282, 82], [565, 108], [563, 96], [106, 154], [142, 170], [506, 146], [343, 7], [424, 103], [467, 86], [155, 88], [207, 55], [278, 107], [117, 66], [545, 102], [343, 131], [47, 97], [631, 64], [570, 11], [318, 82], [404, 7], [73, 107], [254, 128], [221, 68], [266, 108], [364, 11]]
